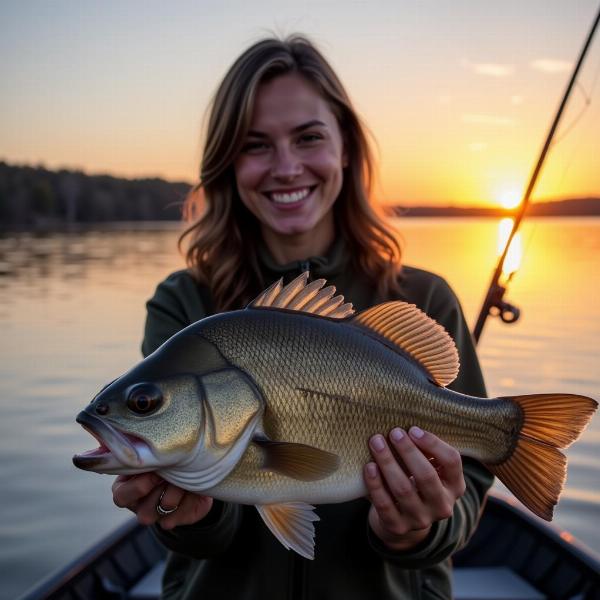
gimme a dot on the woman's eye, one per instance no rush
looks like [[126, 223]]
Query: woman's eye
[[310, 137], [254, 147]]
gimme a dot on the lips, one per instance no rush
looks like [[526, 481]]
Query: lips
[[291, 196]]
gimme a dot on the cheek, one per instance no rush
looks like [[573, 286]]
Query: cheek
[[248, 174], [328, 164]]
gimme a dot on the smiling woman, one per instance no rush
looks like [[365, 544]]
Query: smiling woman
[[284, 143], [284, 196]]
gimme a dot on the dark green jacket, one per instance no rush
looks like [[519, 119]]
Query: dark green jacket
[[232, 554]]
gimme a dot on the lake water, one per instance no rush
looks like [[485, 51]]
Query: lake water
[[71, 319]]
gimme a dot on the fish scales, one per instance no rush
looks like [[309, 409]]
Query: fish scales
[[347, 386]]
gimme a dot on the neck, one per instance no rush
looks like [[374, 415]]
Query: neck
[[289, 248]]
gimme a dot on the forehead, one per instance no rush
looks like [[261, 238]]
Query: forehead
[[287, 101]]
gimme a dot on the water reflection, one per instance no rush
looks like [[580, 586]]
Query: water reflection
[[69, 254], [512, 260]]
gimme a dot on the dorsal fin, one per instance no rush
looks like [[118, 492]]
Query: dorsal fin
[[305, 297], [417, 334]]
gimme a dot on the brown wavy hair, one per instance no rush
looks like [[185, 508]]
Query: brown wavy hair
[[223, 234]]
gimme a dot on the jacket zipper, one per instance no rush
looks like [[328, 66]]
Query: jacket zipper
[[304, 266]]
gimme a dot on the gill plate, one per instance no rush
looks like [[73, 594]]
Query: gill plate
[[232, 410]]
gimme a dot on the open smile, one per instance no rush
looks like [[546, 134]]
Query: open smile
[[290, 197]]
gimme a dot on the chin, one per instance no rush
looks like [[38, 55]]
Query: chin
[[292, 229]]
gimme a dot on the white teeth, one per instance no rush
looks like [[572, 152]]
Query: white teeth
[[292, 197]]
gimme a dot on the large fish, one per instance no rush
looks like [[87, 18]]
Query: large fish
[[273, 406]]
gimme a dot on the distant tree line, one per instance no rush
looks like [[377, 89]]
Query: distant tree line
[[35, 196], [583, 207]]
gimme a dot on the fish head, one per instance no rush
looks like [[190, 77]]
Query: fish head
[[153, 416], [142, 427]]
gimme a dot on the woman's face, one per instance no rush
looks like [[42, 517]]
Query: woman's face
[[290, 169]]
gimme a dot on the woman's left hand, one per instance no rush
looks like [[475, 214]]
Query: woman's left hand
[[411, 492]]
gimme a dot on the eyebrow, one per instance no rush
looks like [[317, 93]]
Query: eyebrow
[[298, 129]]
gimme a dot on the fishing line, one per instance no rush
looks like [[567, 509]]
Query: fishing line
[[587, 104], [567, 167], [571, 126], [577, 145]]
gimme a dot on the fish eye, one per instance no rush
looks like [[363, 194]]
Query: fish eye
[[144, 398]]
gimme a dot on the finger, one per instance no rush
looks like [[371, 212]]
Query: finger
[[119, 481], [426, 478], [391, 471], [192, 509], [128, 492], [140, 479], [446, 458], [146, 510], [381, 499]]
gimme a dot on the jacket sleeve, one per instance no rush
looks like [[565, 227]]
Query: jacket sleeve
[[178, 302], [449, 535]]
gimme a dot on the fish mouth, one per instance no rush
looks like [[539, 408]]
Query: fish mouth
[[118, 452]]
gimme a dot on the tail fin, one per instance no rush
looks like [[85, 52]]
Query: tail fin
[[536, 470]]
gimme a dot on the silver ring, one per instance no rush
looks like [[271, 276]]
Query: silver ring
[[163, 512]]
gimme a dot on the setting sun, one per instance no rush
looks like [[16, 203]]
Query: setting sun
[[509, 197]]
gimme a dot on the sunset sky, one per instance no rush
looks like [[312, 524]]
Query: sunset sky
[[458, 94]]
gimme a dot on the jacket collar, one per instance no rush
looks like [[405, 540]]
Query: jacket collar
[[327, 267]]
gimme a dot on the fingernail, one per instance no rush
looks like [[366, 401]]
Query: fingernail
[[377, 443], [371, 470], [396, 434], [416, 432]]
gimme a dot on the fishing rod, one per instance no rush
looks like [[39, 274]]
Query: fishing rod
[[494, 299]]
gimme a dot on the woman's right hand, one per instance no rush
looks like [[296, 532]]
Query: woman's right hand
[[142, 493]]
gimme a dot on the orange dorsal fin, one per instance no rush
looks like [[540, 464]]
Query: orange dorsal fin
[[411, 330], [304, 297]]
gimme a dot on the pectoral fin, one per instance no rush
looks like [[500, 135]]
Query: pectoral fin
[[298, 461], [292, 525]]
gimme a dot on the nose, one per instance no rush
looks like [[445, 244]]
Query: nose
[[286, 164]]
